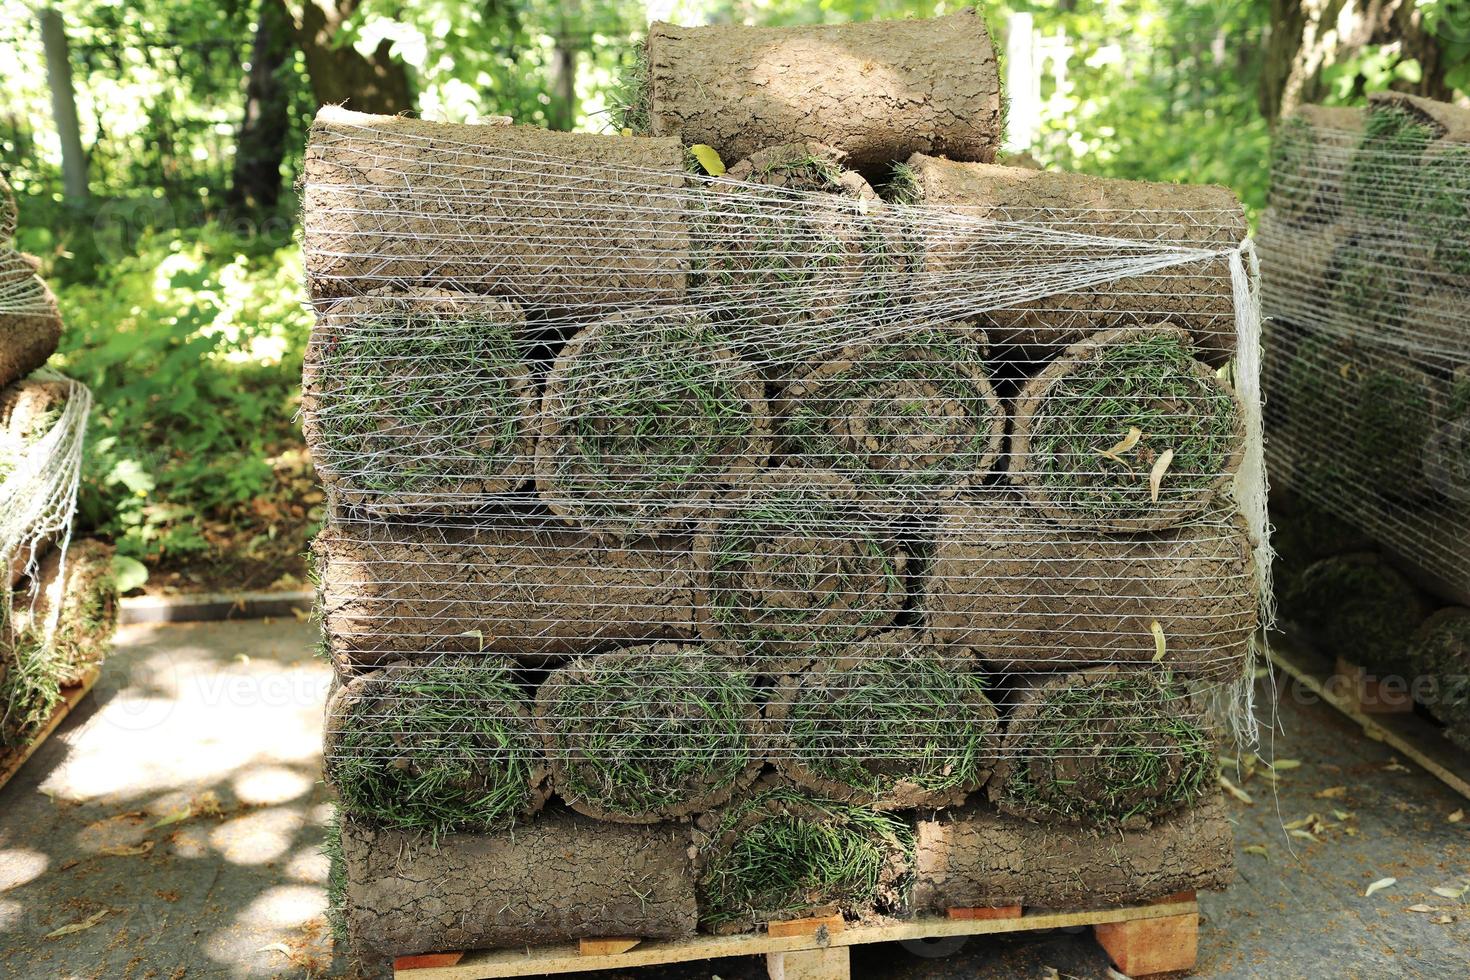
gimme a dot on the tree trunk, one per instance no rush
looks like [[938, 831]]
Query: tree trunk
[[562, 113], [262, 143], [340, 74], [64, 103]]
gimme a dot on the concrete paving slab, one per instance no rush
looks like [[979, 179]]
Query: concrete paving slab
[[177, 816]]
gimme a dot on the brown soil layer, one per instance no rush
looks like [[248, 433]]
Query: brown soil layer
[[558, 878], [976, 857], [417, 402], [794, 565], [549, 219], [392, 591], [1197, 296], [29, 333], [878, 91], [1027, 595], [689, 760], [1062, 488]]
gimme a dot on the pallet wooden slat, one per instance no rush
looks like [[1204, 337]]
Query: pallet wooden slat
[[10, 763], [567, 957], [1408, 734]]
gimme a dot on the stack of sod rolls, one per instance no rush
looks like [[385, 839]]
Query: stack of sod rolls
[[1366, 276], [57, 603], [709, 546]]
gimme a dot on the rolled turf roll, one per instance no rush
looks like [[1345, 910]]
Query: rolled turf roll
[[419, 401], [780, 854], [503, 586], [1440, 649], [1359, 608], [558, 878], [785, 242], [877, 91], [1108, 745], [439, 746], [29, 409], [645, 414], [794, 565], [1309, 157], [30, 322], [1197, 296], [914, 412], [650, 733], [976, 857], [563, 220], [1393, 410], [1073, 453], [1447, 457], [895, 724], [1024, 594], [81, 588]]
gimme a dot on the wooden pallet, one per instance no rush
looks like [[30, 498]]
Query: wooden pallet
[[1382, 715], [11, 762], [1156, 937]]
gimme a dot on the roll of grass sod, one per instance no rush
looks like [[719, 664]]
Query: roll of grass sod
[[1358, 607], [960, 266], [914, 413], [1442, 205], [562, 220], [82, 590], [977, 858], [1447, 453], [505, 587], [446, 745], [1440, 650], [30, 322], [558, 878], [1393, 415], [1126, 431], [1302, 532], [650, 733], [1309, 157], [31, 671], [896, 724], [786, 246], [1381, 180], [645, 414], [28, 410], [1104, 746], [419, 402], [1023, 594], [877, 90], [782, 854], [792, 566]]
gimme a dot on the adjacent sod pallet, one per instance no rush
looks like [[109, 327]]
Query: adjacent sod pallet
[[1157, 937], [1378, 711], [10, 762]]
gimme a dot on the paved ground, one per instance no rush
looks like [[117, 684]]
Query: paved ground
[[176, 816]]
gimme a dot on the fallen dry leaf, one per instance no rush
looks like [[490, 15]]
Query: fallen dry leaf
[[1331, 793], [1258, 849], [1422, 908], [1379, 885], [1156, 475], [82, 926], [1445, 891], [1395, 765], [122, 850], [1115, 452], [1442, 920], [1236, 791], [1161, 643], [1456, 817], [709, 159], [1281, 765]]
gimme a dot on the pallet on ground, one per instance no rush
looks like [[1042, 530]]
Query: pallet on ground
[[10, 762], [1155, 937], [1342, 686]]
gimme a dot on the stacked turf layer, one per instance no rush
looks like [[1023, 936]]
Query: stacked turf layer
[[678, 572], [1365, 277]]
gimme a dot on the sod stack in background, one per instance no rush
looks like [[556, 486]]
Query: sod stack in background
[[652, 613], [1366, 279], [58, 605]]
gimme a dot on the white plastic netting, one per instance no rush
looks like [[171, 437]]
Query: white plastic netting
[[641, 479], [1366, 246]]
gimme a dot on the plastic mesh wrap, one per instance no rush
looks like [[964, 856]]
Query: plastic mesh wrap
[[706, 473]]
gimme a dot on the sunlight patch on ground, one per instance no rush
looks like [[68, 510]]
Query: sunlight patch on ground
[[259, 837], [20, 865]]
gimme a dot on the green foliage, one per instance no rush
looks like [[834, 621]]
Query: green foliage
[[192, 346]]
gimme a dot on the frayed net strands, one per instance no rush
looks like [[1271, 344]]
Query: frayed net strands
[[789, 501], [1367, 288]]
